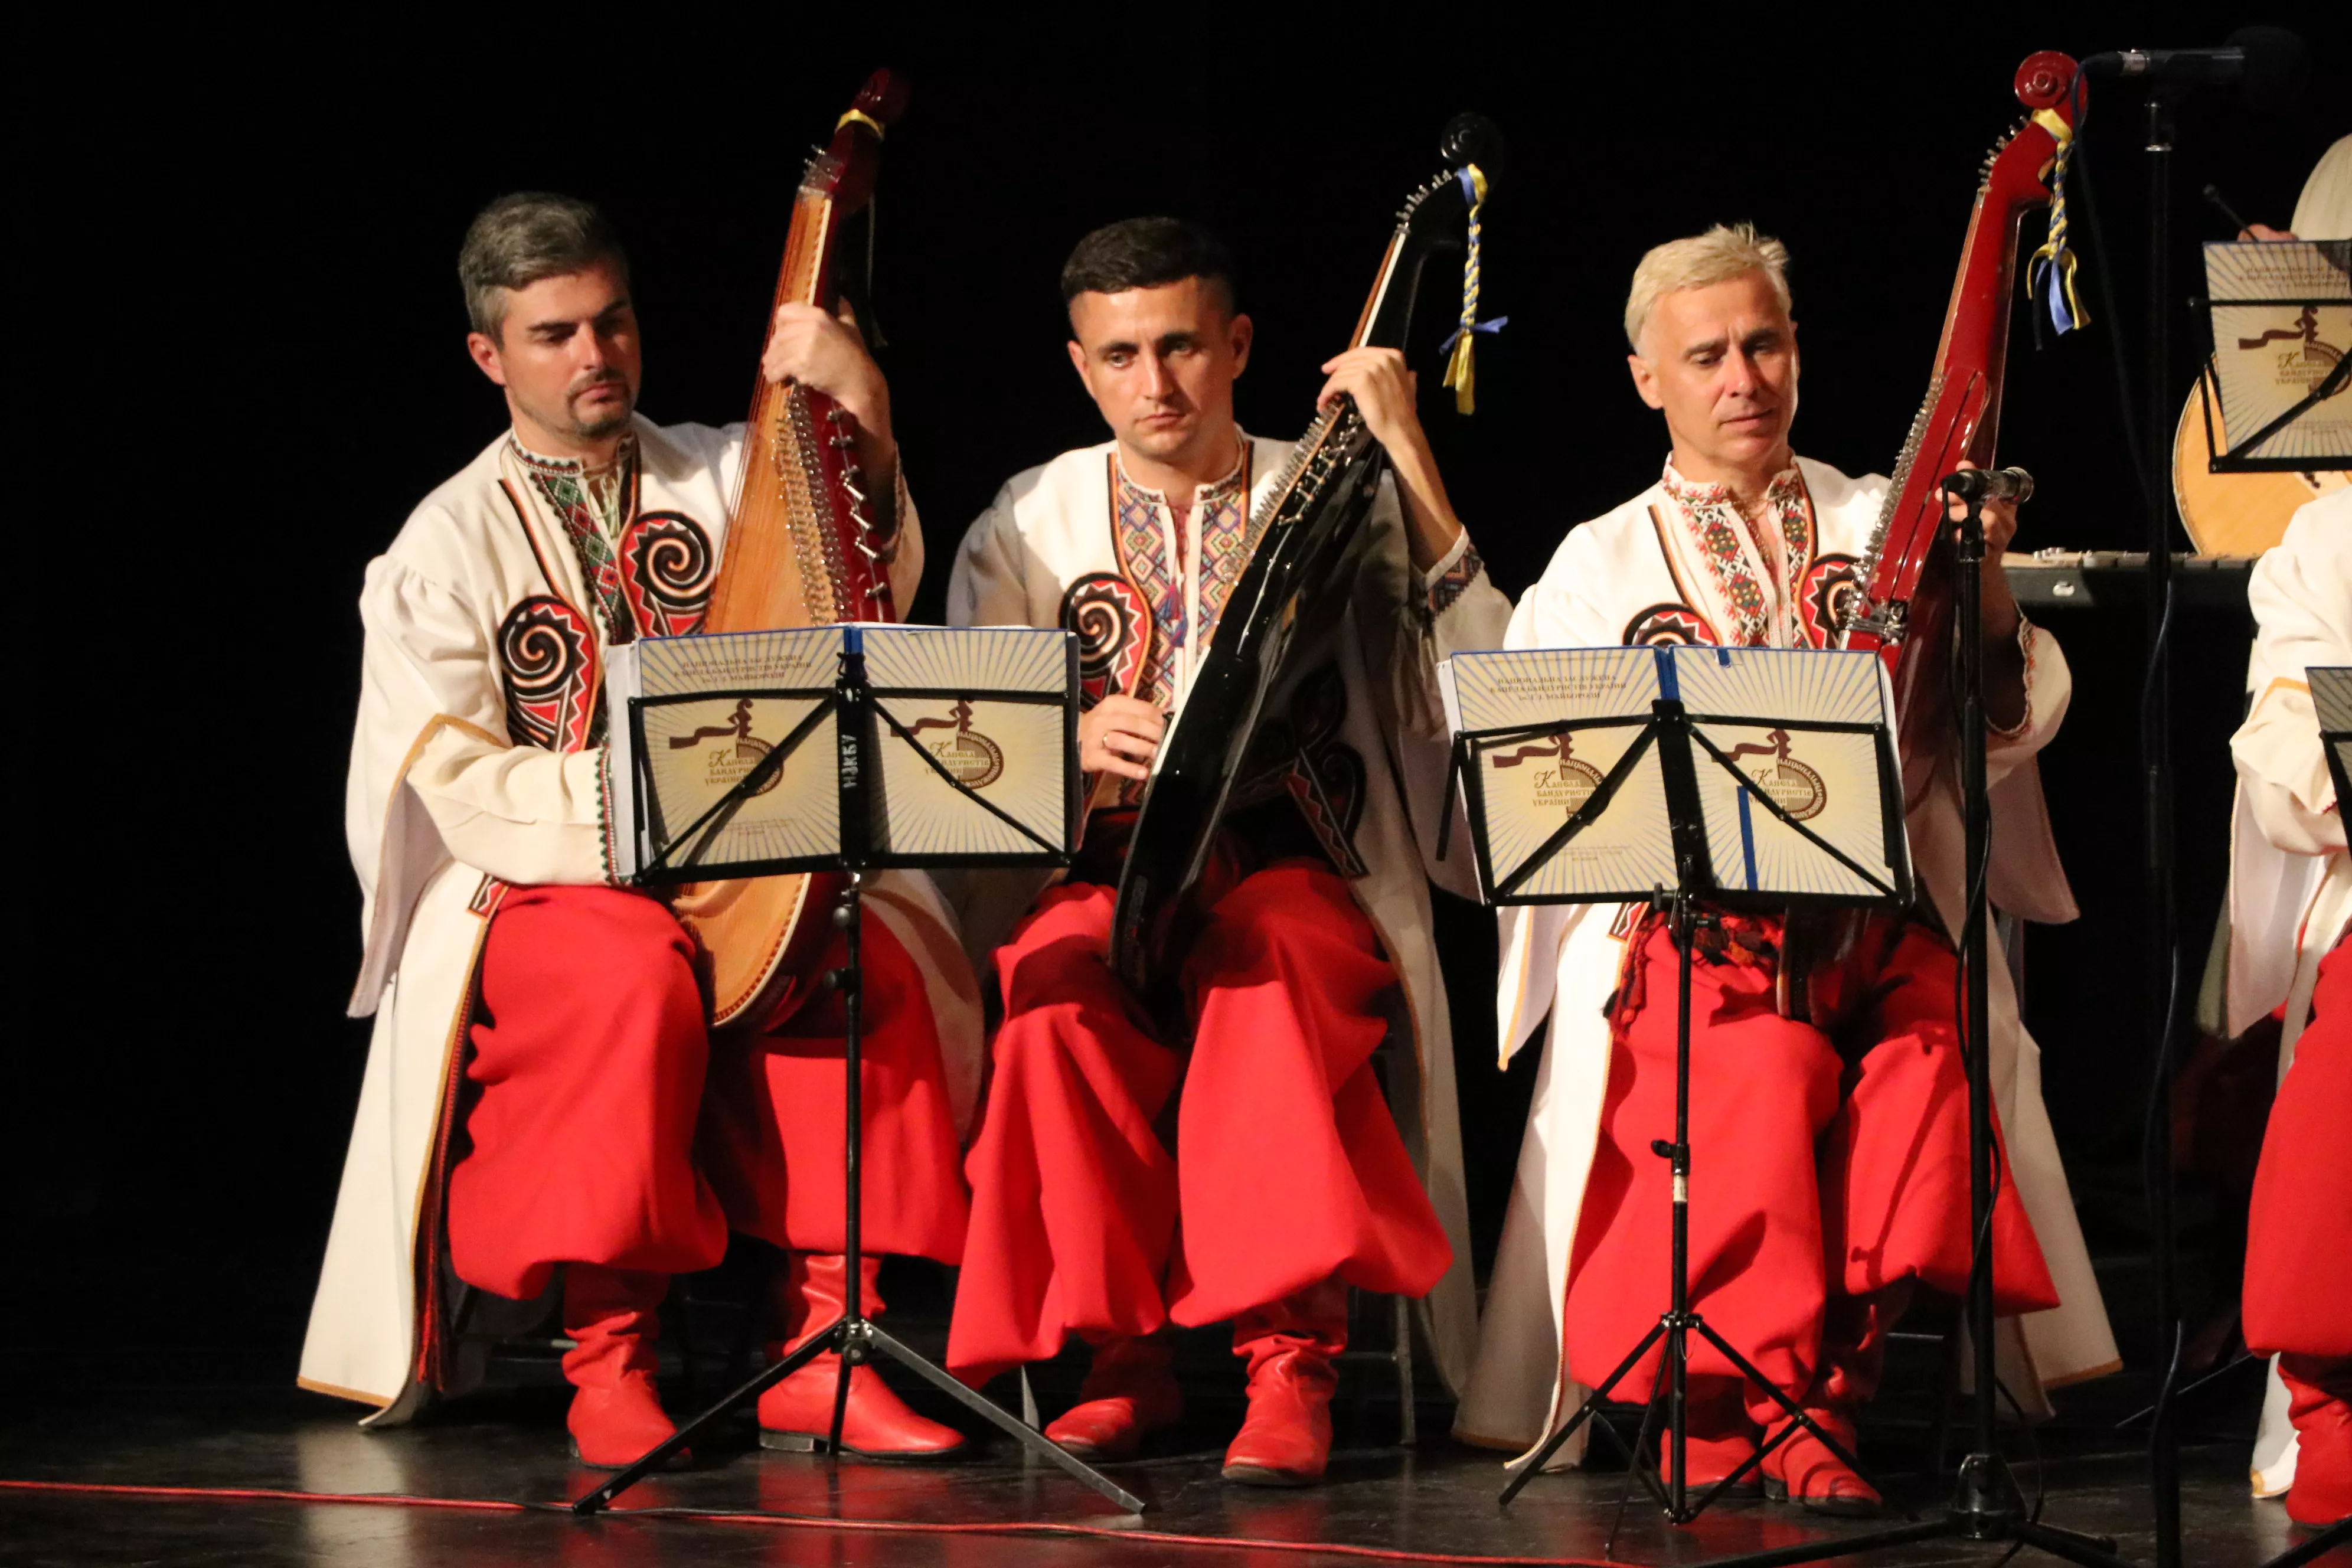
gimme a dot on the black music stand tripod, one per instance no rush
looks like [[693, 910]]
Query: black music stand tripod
[[1673, 730], [853, 1336], [1987, 1504]]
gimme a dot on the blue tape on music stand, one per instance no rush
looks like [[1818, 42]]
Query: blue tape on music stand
[[1668, 691], [1723, 657], [1748, 838]]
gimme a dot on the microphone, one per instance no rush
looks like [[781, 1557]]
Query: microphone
[[2265, 60], [1981, 485]]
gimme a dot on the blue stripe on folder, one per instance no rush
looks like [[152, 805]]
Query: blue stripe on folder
[[1748, 838]]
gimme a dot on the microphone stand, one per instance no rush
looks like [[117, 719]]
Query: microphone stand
[[2156, 767]]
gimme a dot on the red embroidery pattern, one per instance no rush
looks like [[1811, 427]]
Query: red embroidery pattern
[[1225, 543], [1114, 628], [1715, 523], [547, 664], [1826, 595], [1669, 626], [562, 484], [1451, 584], [666, 569], [1142, 555], [1140, 527]]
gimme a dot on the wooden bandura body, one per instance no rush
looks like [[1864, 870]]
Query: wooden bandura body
[[2234, 514], [1904, 610], [801, 551]]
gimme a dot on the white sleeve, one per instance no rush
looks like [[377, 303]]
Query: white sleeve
[[433, 723], [2301, 593], [987, 588]]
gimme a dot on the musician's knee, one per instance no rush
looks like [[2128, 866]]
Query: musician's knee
[[1290, 905], [591, 952]]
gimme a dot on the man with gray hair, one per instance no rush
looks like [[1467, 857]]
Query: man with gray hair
[[535, 1098], [1828, 1098]]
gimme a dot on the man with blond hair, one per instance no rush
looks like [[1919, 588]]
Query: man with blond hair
[[544, 1107], [1829, 1106]]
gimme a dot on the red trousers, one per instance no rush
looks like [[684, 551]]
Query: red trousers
[[1287, 1168], [2298, 1295], [1813, 1178], [608, 1126]]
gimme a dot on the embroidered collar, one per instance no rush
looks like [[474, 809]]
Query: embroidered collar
[[1234, 486], [594, 507], [1690, 494], [624, 455], [1756, 562]]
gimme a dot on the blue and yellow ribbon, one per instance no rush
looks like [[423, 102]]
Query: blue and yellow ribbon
[[1460, 371], [2053, 266]]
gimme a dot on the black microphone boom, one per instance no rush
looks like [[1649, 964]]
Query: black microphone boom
[[2263, 60]]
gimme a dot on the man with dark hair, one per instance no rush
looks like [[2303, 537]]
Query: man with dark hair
[[1126, 1175], [1145, 253], [535, 1097]]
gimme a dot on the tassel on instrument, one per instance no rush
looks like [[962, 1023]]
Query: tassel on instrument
[[1460, 371], [2053, 265]]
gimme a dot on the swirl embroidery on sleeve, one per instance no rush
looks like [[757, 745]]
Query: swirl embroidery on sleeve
[[666, 572], [1668, 626], [547, 668], [1113, 624]]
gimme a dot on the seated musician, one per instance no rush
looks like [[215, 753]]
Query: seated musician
[[1828, 1108], [543, 1093], [2290, 920], [2290, 931], [1239, 1161]]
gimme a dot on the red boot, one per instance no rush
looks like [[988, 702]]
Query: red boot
[[1128, 1394], [2315, 1386], [614, 1317], [1718, 1440], [1852, 1361], [797, 1414], [1286, 1439]]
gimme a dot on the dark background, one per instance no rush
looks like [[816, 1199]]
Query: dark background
[[241, 353]]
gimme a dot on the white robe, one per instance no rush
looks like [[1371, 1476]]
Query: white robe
[[1562, 960], [1052, 526], [2290, 878], [442, 797]]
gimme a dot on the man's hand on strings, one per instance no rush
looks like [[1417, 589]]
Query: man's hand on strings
[[1387, 396], [824, 353], [1120, 735]]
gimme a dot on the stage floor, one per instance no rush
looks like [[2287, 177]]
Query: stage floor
[[1434, 1503]]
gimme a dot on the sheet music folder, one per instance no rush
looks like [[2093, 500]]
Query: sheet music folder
[[1590, 773], [729, 761], [2280, 314]]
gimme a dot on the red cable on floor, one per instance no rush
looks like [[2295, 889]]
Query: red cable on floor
[[809, 1521]]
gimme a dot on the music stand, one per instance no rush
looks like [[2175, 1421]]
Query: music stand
[[999, 787], [1986, 1505], [2280, 319], [1644, 800]]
